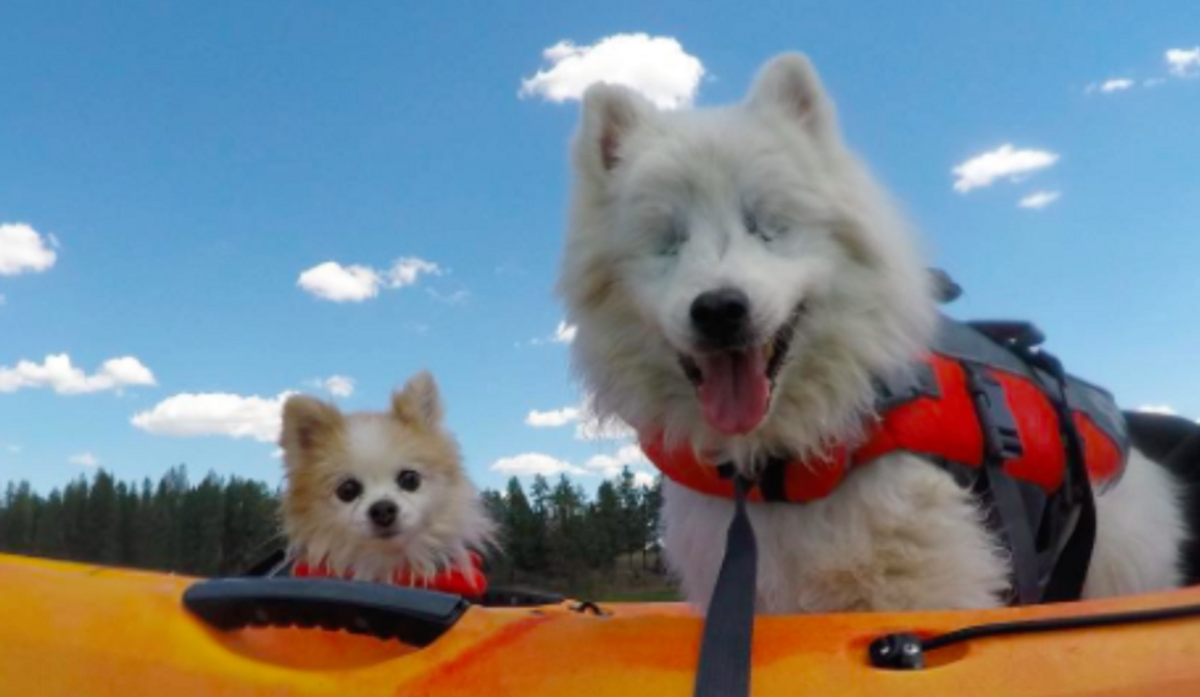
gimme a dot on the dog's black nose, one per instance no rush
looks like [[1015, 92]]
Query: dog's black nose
[[383, 513], [721, 316]]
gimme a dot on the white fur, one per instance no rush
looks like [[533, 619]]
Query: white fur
[[1141, 529], [896, 535], [659, 215]]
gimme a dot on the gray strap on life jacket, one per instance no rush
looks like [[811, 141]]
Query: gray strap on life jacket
[[725, 659], [1002, 442]]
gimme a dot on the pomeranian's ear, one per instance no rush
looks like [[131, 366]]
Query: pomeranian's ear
[[308, 423], [419, 403]]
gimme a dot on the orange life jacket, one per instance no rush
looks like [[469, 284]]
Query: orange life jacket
[[470, 583], [985, 406]]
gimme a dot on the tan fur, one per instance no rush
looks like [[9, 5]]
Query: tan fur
[[440, 521]]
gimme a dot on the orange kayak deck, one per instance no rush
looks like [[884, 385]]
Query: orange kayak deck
[[68, 629]]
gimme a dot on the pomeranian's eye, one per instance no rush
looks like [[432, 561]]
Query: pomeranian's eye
[[349, 490], [409, 480]]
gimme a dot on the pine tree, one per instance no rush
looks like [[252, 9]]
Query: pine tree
[[201, 528], [103, 520], [127, 506], [605, 526], [18, 522], [633, 533], [652, 522], [565, 538], [50, 538], [75, 511], [250, 525], [522, 534], [143, 543]]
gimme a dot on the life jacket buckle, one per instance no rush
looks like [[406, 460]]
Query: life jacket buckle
[[1001, 437]]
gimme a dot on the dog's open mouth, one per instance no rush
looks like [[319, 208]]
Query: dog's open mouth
[[735, 385]]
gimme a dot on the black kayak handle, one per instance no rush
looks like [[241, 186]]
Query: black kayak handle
[[414, 616]]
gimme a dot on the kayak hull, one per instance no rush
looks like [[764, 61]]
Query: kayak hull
[[68, 629]]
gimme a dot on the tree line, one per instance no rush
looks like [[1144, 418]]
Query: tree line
[[215, 526], [554, 535], [558, 536]]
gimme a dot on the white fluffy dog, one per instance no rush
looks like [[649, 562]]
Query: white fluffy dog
[[758, 214]]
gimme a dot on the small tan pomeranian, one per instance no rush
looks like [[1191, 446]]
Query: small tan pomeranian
[[380, 496]]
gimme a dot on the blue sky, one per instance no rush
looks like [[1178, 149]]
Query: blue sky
[[169, 172]]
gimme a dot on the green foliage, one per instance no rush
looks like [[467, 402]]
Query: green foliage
[[218, 526], [554, 536], [557, 537]]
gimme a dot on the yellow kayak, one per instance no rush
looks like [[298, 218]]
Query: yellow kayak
[[68, 629]]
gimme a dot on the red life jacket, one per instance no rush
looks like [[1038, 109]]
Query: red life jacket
[[469, 583], [978, 402]]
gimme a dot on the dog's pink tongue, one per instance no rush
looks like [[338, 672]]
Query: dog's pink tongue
[[735, 390]]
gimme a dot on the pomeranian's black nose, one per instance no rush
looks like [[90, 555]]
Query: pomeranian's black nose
[[383, 513], [721, 317]]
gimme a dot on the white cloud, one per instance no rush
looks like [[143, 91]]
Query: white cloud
[[1039, 199], [529, 464], [553, 418], [336, 385], [406, 271], [1183, 62], [56, 372], [643, 479], [23, 250], [1116, 84], [656, 66], [355, 283], [215, 414], [457, 297], [563, 334], [588, 426], [1003, 162], [611, 465], [1157, 409], [591, 428], [84, 460], [340, 284]]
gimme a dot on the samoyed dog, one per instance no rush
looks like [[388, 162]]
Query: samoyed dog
[[737, 277]]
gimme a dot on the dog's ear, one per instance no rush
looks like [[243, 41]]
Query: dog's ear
[[419, 403], [308, 424], [610, 114], [789, 85]]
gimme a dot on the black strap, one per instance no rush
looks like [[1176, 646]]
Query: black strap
[[906, 650], [771, 480], [724, 669], [1071, 570], [1014, 522], [1002, 442]]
